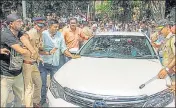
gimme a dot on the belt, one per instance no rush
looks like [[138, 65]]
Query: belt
[[29, 62]]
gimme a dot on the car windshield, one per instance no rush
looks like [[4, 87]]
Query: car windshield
[[133, 47]]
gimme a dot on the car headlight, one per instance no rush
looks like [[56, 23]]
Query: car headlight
[[160, 99], [56, 89]]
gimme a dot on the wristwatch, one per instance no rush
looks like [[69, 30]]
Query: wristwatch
[[167, 69]]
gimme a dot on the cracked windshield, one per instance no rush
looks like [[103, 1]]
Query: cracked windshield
[[118, 47], [87, 53]]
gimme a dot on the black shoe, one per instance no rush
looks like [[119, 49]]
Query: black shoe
[[36, 105]]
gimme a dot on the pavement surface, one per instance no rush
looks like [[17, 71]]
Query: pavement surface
[[11, 101]]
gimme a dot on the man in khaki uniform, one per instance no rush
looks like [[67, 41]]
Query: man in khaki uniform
[[32, 78], [168, 51]]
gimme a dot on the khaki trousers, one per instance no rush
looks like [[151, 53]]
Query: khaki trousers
[[16, 84], [32, 83]]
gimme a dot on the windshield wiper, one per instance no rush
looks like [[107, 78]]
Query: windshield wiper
[[146, 56], [87, 55], [94, 56]]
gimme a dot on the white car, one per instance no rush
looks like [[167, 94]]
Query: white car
[[108, 74]]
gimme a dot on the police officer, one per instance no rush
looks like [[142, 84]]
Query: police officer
[[168, 52], [157, 38], [30, 68]]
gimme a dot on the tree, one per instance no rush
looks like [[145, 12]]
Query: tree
[[157, 9], [104, 8], [10, 6]]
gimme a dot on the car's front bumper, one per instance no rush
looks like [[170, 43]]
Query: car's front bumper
[[53, 102], [172, 105]]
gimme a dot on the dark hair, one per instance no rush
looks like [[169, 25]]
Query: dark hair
[[47, 14], [61, 25], [144, 22], [26, 21], [52, 21], [7, 23], [72, 19]]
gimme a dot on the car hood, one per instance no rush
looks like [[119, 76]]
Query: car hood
[[109, 76]]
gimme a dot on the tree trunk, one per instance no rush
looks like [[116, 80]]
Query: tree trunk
[[158, 9]]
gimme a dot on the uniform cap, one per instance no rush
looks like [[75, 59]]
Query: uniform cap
[[38, 19], [162, 23]]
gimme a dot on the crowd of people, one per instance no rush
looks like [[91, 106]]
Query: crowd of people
[[32, 48]]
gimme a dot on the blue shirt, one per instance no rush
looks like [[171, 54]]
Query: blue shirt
[[57, 41]]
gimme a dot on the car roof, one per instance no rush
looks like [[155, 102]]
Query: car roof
[[120, 33]]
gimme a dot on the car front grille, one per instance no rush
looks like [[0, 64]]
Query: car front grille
[[83, 99]]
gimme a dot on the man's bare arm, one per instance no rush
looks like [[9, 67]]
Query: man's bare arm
[[68, 54], [25, 40], [43, 52], [4, 51], [53, 50], [20, 50]]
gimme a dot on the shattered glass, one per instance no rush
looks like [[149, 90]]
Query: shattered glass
[[118, 47]]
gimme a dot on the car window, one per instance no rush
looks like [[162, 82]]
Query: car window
[[118, 47]]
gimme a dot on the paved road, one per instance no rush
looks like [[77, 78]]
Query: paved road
[[11, 101]]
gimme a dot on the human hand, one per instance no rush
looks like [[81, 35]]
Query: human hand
[[53, 51], [91, 36], [30, 53], [33, 54], [154, 37], [162, 74], [172, 87], [4, 51], [41, 60], [75, 56]]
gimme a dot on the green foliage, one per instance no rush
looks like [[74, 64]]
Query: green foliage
[[136, 3], [105, 7]]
